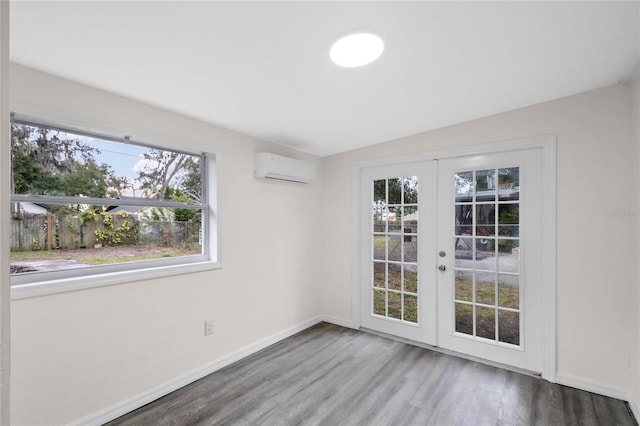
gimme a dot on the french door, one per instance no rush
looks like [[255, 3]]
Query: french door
[[451, 254]]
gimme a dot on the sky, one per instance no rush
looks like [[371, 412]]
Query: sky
[[124, 159]]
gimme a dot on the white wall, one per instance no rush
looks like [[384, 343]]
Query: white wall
[[77, 353], [596, 276]]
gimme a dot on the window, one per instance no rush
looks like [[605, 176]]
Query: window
[[90, 210]]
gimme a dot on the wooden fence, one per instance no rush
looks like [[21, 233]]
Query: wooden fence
[[47, 232]]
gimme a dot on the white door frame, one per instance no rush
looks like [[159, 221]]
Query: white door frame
[[547, 144]]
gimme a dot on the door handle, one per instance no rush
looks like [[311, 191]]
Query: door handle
[[442, 268]]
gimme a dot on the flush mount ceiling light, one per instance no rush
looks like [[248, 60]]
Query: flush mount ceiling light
[[356, 50]]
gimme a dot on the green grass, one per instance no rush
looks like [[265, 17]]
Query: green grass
[[33, 255], [107, 260]]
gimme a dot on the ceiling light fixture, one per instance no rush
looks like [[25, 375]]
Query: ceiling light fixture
[[356, 50]]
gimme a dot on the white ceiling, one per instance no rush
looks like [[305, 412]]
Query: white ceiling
[[263, 68]]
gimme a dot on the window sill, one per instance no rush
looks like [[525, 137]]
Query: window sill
[[46, 288]]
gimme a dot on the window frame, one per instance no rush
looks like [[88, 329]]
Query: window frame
[[53, 282]]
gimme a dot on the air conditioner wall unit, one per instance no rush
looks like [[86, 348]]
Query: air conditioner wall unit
[[276, 167]]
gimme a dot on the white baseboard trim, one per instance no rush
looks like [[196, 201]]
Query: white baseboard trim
[[592, 386], [339, 321], [126, 406]]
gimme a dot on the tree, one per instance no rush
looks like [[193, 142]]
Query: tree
[[159, 171], [51, 162]]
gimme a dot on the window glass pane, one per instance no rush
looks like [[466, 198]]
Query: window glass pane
[[121, 201], [57, 163]]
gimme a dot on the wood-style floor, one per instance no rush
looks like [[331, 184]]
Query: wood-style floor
[[329, 375]]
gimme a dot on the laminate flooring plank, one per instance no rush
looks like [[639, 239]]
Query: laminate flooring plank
[[611, 411], [547, 408], [578, 407], [517, 400], [330, 375]]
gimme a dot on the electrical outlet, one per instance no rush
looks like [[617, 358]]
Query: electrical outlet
[[208, 327]]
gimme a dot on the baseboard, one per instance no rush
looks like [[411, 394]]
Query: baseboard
[[592, 386], [126, 406], [339, 321]]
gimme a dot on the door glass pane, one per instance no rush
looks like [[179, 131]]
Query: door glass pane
[[464, 186], [508, 256], [410, 308], [464, 286], [395, 305], [508, 220], [464, 252], [395, 248], [464, 219], [410, 249], [379, 247], [395, 191], [485, 220], [485, 254], [379, 302], [485, 185], [379, 274], [380, 191], [464, 318], [410, 188], [394, 220], [486, 323], [410, 220], [509, 291], [509, 183], [395, 276], [411, 279], [485, 247], [509, 327], [486, 288]]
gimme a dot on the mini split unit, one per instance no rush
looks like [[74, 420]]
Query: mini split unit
[[276, 167]]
